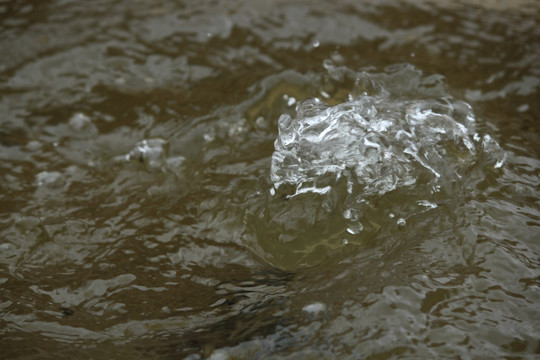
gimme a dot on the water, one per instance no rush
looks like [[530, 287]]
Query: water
[[372, 157], [253, 180]]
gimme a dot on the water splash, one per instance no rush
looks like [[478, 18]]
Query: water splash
[[383, 144], [387, 141]]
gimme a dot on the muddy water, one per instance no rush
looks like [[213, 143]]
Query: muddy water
[[254, 180]]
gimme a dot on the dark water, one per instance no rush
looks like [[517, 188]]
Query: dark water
[[155, 203]]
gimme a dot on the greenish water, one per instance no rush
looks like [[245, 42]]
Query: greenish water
[[269, 179]]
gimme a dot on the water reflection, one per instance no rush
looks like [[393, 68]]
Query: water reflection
[[139, 212]]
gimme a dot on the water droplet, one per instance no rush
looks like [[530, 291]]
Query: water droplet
[[401, 222], [291, 101], [316, 43]]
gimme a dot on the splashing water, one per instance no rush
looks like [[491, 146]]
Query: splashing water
[[384, 144], [357, 155]]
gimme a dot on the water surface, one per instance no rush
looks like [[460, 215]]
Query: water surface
[[254, 180]]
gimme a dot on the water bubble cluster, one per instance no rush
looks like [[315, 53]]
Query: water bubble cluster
[[377, 144]]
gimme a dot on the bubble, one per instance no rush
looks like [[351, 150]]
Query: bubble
[[401, 222]]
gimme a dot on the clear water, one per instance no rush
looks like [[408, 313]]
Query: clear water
[[259, 180]]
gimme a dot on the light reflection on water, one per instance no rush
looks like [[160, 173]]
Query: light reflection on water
[[136, 213]]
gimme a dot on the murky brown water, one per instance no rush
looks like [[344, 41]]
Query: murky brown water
[[147, 210]]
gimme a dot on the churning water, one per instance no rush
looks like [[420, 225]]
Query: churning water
[[377, 158], [260, 180]]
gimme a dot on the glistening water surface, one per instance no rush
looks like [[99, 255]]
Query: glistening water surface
[[269, 179]]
